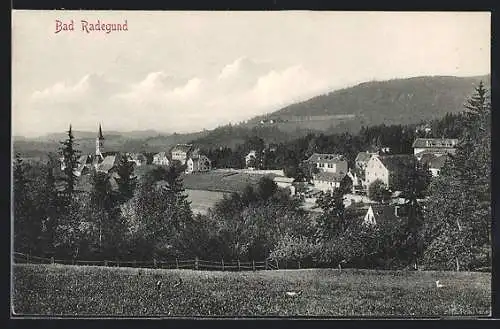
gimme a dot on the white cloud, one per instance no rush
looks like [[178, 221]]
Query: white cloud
[[242, 89]]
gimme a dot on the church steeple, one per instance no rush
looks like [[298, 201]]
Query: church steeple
[[100, 136], [99, 142]]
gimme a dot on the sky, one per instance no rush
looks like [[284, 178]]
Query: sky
[[188, 71]]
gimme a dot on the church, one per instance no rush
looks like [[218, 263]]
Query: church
[[100, 160]]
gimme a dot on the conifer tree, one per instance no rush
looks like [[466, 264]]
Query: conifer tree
[[458, 215], [21, 207], [69, 156]]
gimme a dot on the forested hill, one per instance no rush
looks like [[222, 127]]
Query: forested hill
[[398, 101]]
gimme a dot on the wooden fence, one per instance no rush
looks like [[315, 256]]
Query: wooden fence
[[192, 264]]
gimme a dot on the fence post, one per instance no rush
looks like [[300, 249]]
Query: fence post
[[196, 263], [266, 264], [154, 262], [239, 268], [52, 260], [298, 263], [105, 263], [222, 264], [277, 265], [27, 258], [117, 263], [177, 263], [253, 265]]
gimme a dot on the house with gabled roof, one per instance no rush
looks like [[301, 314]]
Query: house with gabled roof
[[332, 163], [434, 162], [198, 163], [181, 152], [138, 158], [385, 168], [110, 162], [377, 214], [328, 181], [436, 146], [161, 159], [362, 159]]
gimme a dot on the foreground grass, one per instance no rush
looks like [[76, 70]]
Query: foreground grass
[[74, 290]]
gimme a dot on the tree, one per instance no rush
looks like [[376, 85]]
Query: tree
[[69, 156], [415, 188], [163, 213], [24, 232], [103, 209], [266, 188], [458, 214], [49, 207], [126, 179], [332, 220], [377, 191]]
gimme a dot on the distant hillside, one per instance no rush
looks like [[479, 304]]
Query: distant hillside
[[114, 141], [231, 136], [399, 101]]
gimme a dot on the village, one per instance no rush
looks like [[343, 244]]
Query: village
[[206, 184]]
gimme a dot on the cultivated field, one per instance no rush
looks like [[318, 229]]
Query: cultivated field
[[73, 290], [201, 200]]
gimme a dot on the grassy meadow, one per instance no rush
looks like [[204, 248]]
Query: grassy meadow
[[90, 291], [220, 180], [201, 200]]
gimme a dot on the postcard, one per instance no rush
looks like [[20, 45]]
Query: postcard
[[207, 164]]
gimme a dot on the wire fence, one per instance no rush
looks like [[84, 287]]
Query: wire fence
[[191, 264]]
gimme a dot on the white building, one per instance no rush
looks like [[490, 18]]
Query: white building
[[436, 146], [332, 163], [161, 159], [327, 181], [181, 152], [250, 159], [198, 163], [285, 182]]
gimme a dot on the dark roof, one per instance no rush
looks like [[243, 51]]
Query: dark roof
[[435, 142], [438, 162], [395, 162], [138, 156], [434, 161], [105, 154], [326, 158], [330, 177], [427, 157], [383, 213], [363, 156], [182, 148], [109, 162], [161, 154]]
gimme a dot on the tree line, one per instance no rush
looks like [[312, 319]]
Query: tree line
[[446, 225], [397, 139]]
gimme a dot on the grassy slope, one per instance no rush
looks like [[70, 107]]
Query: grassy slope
[[69, 290], [201, 200]]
